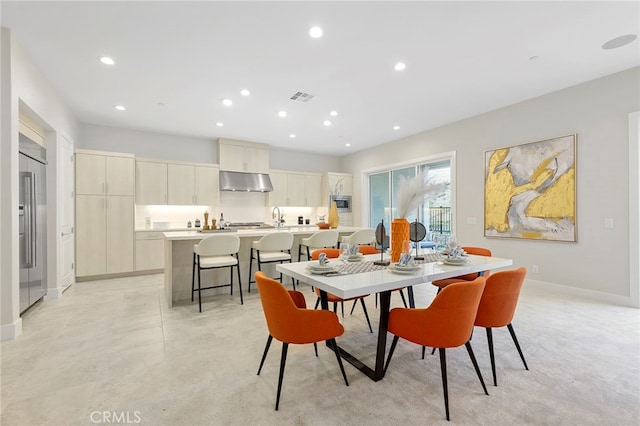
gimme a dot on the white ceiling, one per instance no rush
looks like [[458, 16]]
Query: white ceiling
[[463, 59]]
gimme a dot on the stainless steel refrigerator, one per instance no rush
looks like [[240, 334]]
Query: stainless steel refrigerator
[[32, 213]]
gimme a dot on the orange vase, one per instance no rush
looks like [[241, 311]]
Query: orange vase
[[399, 237], [334, 218]]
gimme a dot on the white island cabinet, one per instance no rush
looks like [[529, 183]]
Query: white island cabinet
[[178, 259]]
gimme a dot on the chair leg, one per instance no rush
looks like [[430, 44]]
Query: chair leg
[[404, 301], [475, 365], [315, 347], [283, 360], [443, 369], [342, 308], [199, 290], [250, 267], [366, 314], [423, 350], [515, 340], [193, 276], [239, 282], [334, 345], [353, 306], [264, 355], [491, 355], [231, 278], [335, 307], [317, 303], [433, 351], [393, 348]]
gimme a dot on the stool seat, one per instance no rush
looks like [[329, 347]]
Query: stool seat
[[272, 256], [217, 261]]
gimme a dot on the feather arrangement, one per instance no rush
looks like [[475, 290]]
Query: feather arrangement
[[413, 191], [336, 188]]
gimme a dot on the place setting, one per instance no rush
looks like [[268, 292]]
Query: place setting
[[323, 266], [454, 255], [406, 265]]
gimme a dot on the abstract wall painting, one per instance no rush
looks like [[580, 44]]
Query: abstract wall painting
[[530, 190]]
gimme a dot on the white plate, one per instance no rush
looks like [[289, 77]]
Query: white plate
[[405, 268], [402, 271], [317, 266], [322, 271], [454, 262], [355, 258]]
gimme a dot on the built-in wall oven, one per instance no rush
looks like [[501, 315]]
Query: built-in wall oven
[[343, 202]]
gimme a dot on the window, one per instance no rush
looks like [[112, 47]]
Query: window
[[434, 214]]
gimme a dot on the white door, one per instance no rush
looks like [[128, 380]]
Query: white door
[[66, 202]]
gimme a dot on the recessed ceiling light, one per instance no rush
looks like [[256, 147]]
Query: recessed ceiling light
[[119, 107], [534, 58], [219, 124], [333, 113], [282, 113], [227, 102], [315, 32], [245, 92], [107, 60], [347, 145], [292, 136], [327, 123], [619, 41], [399, 66], [396, 127]]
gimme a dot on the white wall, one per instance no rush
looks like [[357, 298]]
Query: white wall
[[598, 112], [182, 148], [24, 85]]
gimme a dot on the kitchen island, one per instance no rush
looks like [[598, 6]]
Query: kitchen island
[[178, 258]]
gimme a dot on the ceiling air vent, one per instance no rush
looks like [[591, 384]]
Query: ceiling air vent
[[301, 97]]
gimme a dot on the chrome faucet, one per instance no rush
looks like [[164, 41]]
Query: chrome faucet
[[278, 217]]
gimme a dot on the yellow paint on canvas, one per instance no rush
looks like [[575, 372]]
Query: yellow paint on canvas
[[558, 200]]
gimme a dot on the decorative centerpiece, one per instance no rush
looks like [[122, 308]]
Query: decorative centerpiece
[[334, 218], [413, 191]]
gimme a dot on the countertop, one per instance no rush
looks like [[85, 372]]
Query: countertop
[[296, 230]]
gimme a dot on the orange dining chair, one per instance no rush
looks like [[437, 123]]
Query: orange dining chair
[[332, 298], [291, 324], [446, 323], [479, 251], [497, 307]]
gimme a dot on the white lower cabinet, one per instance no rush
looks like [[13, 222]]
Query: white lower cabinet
[[149, 251], [104, 234]]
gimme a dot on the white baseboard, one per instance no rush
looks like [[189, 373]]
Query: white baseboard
[[579, 292], [11, 331], [53, 293]]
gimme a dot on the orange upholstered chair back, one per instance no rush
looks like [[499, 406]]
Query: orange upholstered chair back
[[331, 253], [368, 249], [290, 324], [478, 251], [500, 298], [447, 322]]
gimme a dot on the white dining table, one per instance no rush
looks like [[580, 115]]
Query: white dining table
[[383, 281]]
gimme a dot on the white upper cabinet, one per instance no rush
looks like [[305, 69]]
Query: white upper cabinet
[[207, 187], [295, 189], [151, 182], [104, 174], [240, 156], [181, 184]]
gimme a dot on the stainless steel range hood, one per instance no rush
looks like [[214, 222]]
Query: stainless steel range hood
[[247, 182]]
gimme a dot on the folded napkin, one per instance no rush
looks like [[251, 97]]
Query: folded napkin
[[353, 250], [406, 260], [323, 260], [455, 252]]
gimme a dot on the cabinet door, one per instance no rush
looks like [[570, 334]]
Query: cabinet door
[[91, 235], [149, 254], [181, 184], [90, 174], [231, 157], [120, 234], [312, 190], [295, 189], [120, 176], [207, 186], [151, 183], [256, 160], [278, 197]]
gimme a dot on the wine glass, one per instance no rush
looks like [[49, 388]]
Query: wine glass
[[345, 245]]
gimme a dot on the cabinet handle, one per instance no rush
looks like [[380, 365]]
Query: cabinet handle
[[195, 199], [165, 198], [106, 188]]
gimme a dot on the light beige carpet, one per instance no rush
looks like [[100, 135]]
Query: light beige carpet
[[110, 350]]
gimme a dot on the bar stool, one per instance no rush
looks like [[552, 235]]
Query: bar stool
[[321, 239], [213, 252], [272, 248], [362, 237]]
